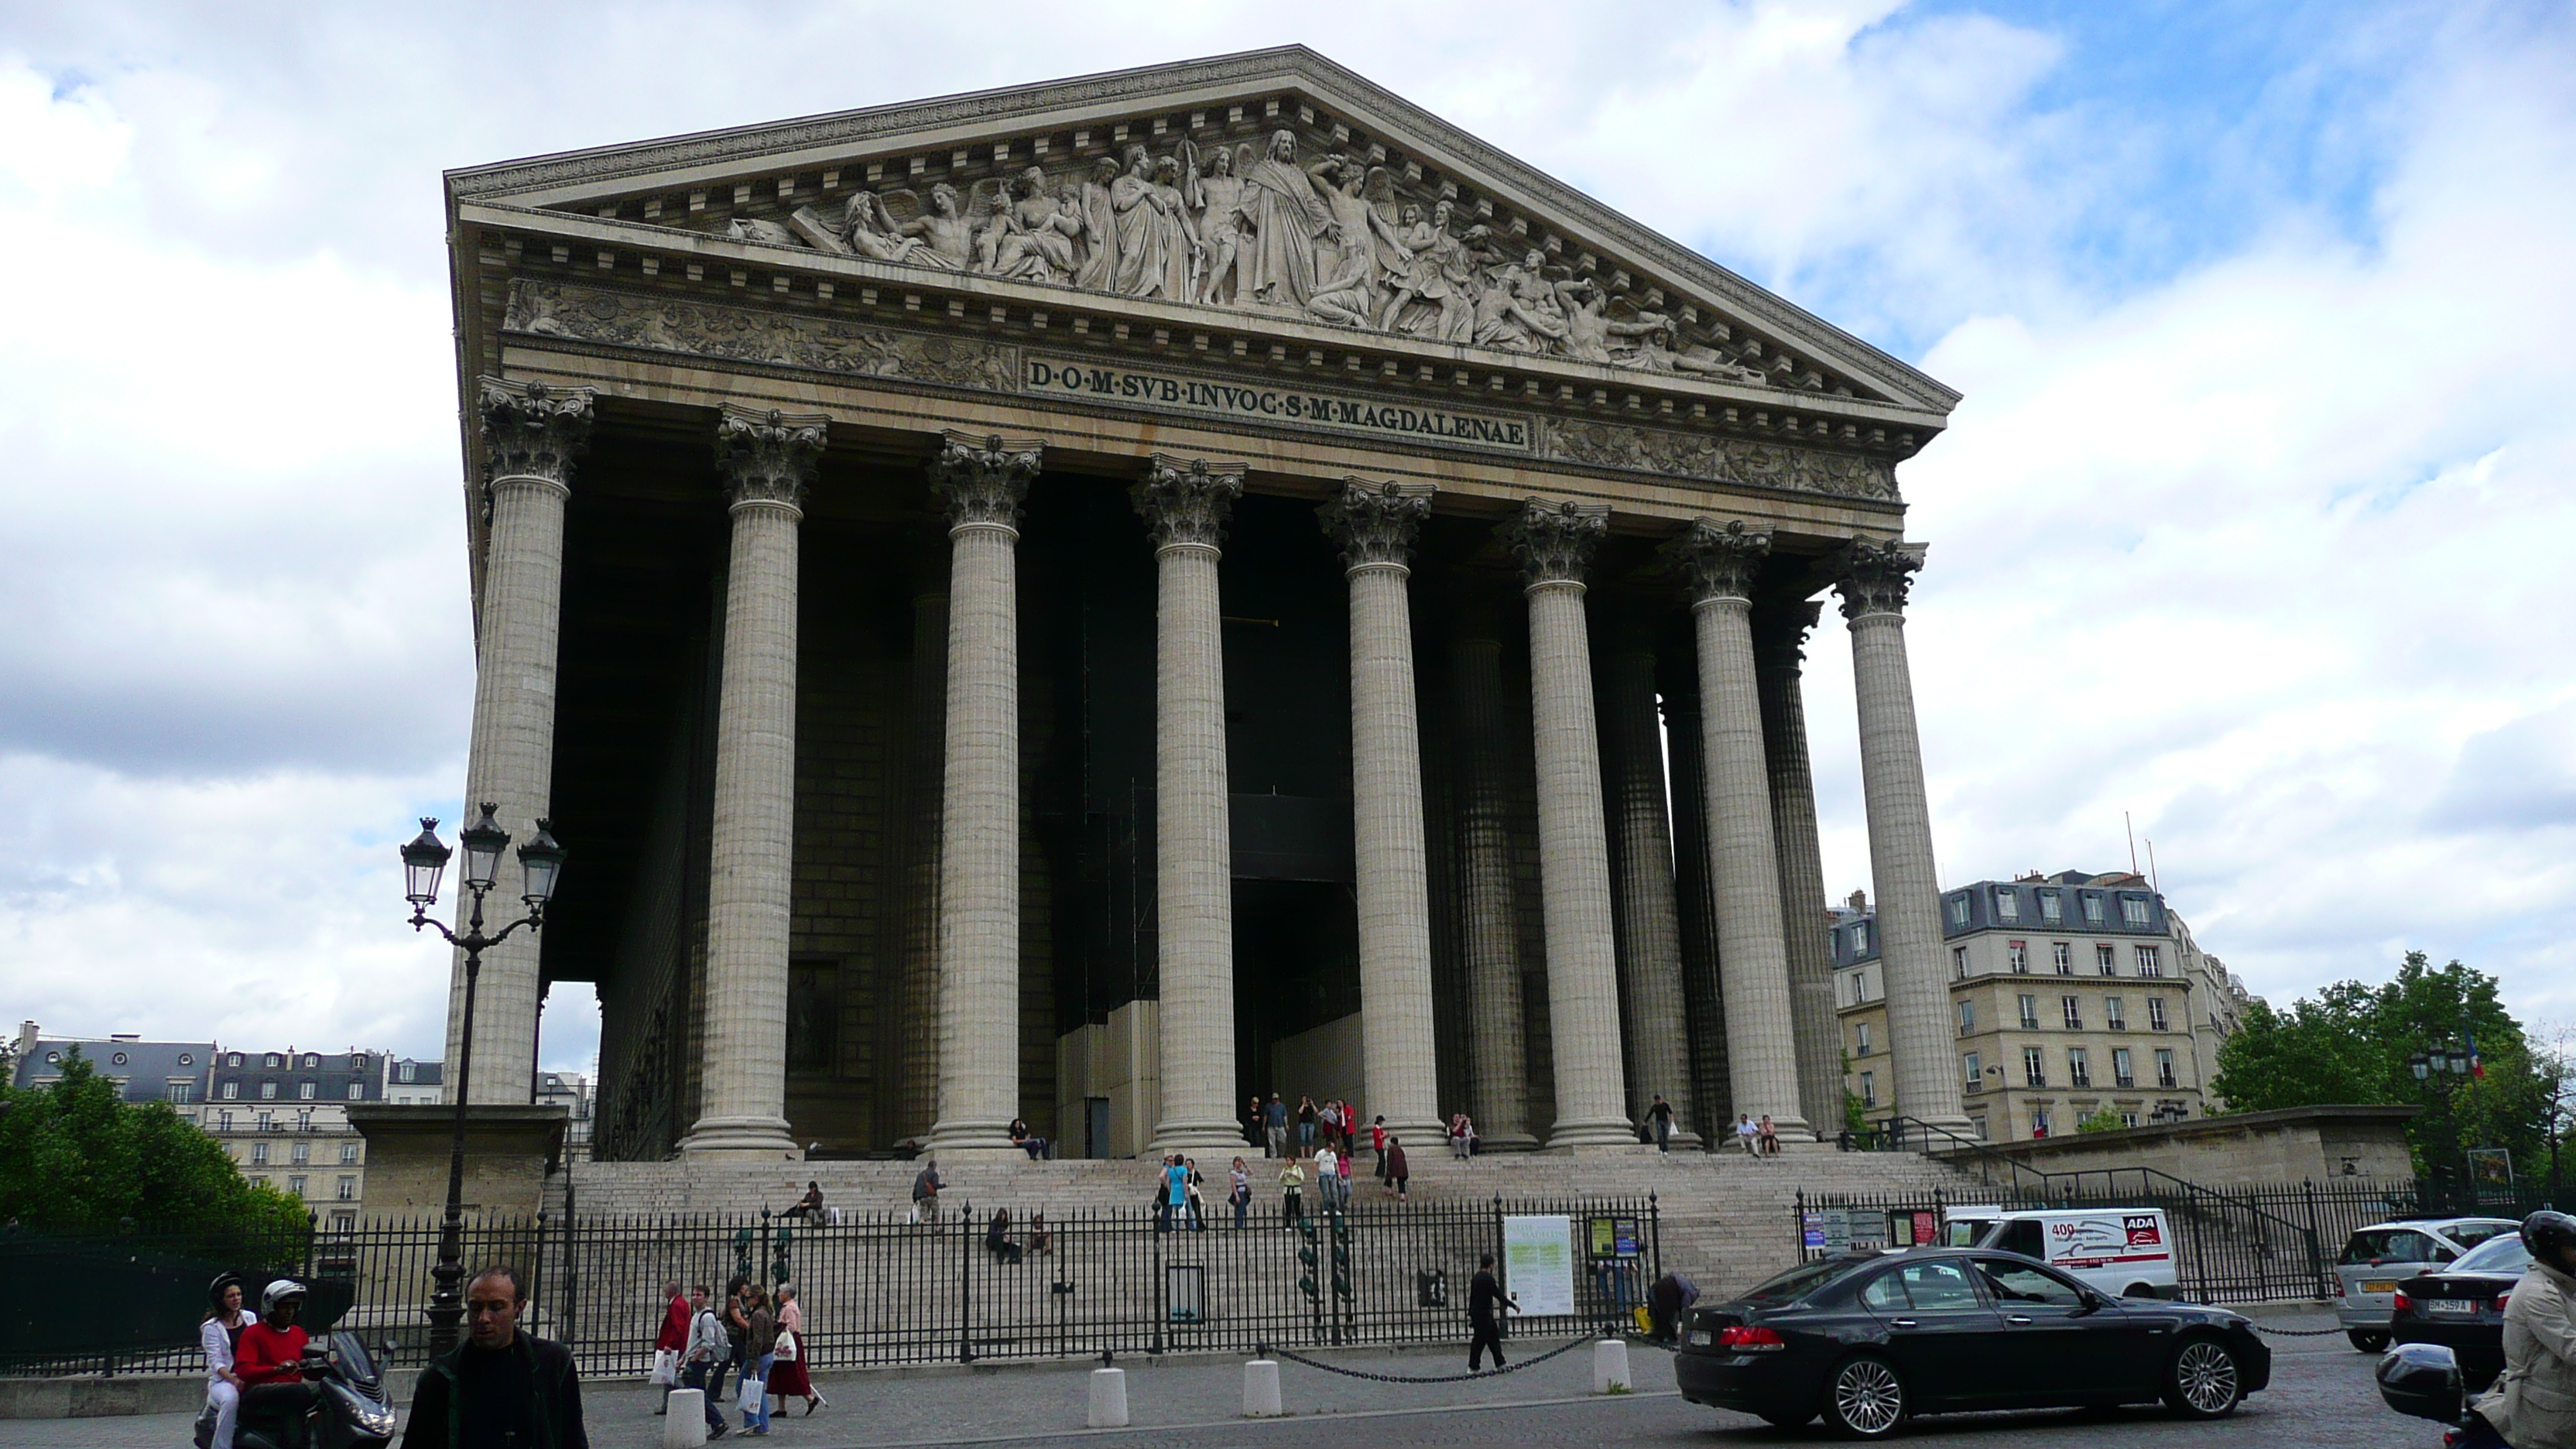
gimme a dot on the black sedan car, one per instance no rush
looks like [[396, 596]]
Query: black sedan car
[[2461, 1307], [1871, 1340]]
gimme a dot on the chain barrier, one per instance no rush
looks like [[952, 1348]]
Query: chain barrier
[[1268, 1350]]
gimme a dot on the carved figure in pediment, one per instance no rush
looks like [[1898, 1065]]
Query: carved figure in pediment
[[1358, 196], [1655, 352], [1518, 311], [755, 229], [1590, 334], [1216, 199], [870, 229], [1349, 294], [1099, 228], [945, 229], [1435, 271], [1031, 239], [1157, 242], [1287, 218]]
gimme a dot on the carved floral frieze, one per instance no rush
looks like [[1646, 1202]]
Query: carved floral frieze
[[1717, 459]]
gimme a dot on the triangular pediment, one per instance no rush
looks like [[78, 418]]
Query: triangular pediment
[[1272, 190]]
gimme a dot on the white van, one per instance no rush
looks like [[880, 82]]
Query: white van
[[2124, 1252]]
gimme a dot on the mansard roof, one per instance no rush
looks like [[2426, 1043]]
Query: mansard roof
[[1536, 271]]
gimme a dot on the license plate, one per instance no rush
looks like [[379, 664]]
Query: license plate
[[2450, 1305], [1701, 1337], [2379, 1285]]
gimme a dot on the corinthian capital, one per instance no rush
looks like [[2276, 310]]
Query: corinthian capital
[[1185, 504], [1873, 577], [531, 430], [1374, 523], [982, 480], [1780, 634], [1720, 561], [1554, 541], [768, 456]]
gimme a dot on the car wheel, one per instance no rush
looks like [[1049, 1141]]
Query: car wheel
[[2203, 1381], [1865, 1400], [2140, 1290], [2368, 1340]]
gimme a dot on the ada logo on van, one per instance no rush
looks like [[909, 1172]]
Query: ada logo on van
[[2143, 1232], [1294, 407]]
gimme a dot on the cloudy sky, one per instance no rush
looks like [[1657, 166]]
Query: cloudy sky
[[2247, 527]]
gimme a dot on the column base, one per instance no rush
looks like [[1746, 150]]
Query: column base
[[969, 1140], [741, 1139], [1594, 1132], [1416, 1136], [1504, 1142], [1218, 1134], [1685, 1141]]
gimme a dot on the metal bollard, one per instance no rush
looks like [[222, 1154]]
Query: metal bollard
[[1261, 1389], [1610, 1367], [1109, 1398], [685, 1424]]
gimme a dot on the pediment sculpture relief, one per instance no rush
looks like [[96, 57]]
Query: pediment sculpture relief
[[1268, 229]]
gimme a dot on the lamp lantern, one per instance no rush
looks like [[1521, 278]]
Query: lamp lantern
[[424, 861]]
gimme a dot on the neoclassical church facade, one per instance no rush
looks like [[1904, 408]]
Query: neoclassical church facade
[[1094, 602]]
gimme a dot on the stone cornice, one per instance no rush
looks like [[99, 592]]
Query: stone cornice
[[1554, 541], [768, 457], [1375, 522], [530, 430], [1873, 578], [1185, 502], [1720, 561], [982, 480]]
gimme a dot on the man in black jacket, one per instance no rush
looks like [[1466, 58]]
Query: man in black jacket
[[1486, 1304], [500, 1389]]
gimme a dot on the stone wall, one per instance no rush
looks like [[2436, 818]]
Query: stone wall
[[509, 1150], [2297, 1144]]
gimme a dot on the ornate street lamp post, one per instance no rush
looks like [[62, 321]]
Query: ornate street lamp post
[[424, 859]]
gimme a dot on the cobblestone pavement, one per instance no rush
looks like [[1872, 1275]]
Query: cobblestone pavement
[[2321, 1398]]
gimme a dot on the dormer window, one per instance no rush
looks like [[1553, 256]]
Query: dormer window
[[2007, 904], [2052, 908], [2093, 907]]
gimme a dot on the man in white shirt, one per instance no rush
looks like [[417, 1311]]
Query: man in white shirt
[[1747, 1136], [1328, 1176]]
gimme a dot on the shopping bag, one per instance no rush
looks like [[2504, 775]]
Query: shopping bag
[[755, 1393], [786, 1350], [666, 1368]]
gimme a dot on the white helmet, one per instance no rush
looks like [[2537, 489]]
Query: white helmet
[[278, 1292]]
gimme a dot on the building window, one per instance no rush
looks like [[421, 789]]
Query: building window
[[2103, 958], [1958, 963], [223, 1121], [265, 1121], [1860, 1038], [2133, 910], [2018, 953], [1974, 1067], [1967, 1018], [273, 1060], [348, 1189], [268, 1090], [306, 1091], [1978, 1126], [1868, 1088], [2093, 907], [1958, 910], [2079, 1071], [403, 1070], [2074, 1008], [259, 1152], [304, 1119], [301, 1153], [344, 1222], [2034, 1069], [312, 1060], [1859, 937], [2039, 1125], [234, 1060], [2051, 908], [187, 1059], [2007, 904], [2115, 1014], [2128, 1119], [179, 1091], [2149, 964], [357, 1091], [2156, 1013], [2123, 1072], [2165, 1069], [348, 1152], [295, 1184], [2029, 1012], [232, 1090], [2061, 956], [358, 1062]]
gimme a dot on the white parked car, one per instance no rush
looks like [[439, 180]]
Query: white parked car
[[2379, 1257], [2123, 1252]]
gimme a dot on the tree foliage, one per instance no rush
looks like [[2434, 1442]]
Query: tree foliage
[[2350, 1044], [2106, 1120], [74, 1154]]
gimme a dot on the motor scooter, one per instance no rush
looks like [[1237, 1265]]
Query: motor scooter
[[350, 1410], [2423, 1380]]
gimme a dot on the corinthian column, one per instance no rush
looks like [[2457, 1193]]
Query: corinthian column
[[1873, 582], [1185, 507], [1779, 642], [531, 434], [1375, 528], [982, 480], [766, 461], [1761, 1048], [1497, 1049], [1555, 543], [1656, 1028]]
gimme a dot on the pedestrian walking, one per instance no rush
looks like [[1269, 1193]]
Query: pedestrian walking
[[1274, 1126], [219, 1334], [702, 1364], [1377, 1142], [1292, 1192], [735, 1315], [501, 1386], [668, 1343], [1328, 1178], [1176, 1193], [925, 1192], [1398, 1171], [1486, 1305], [1238, 1191], [1660, 1117], [790, 1378], [1305, 1126], [1198, 1195], [760, 1350]]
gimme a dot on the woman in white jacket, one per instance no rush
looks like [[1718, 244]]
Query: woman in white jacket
[[2533, 1404], [220, 1335]]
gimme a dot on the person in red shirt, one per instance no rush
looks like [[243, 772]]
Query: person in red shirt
[[673, 1339], [270, 1365]]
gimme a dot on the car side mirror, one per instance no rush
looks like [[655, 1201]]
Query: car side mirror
[[2091, 1301]]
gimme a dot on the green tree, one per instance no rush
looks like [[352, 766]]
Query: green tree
[[2105, 1120], [2350, 1044], [75, 1154]]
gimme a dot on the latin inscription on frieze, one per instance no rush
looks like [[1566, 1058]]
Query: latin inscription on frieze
[[1296, 408]]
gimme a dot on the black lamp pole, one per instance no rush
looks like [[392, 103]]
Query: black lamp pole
[[540, 861]]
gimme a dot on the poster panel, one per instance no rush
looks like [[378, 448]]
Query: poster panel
[[1538, 1263]]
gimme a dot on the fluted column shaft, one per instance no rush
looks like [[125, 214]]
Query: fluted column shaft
[[910, 1032], [1655, 1026], [1761, 1046], [1497, 1046], [1778, 642], [1185, 506], [1874, 585], [1399, 1058], [767, 460], [1695, 898], [1555, 544], [531, 435], [982, 482]]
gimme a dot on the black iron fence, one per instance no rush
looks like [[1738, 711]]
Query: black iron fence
[[2251, 1244], [886, 1290]]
